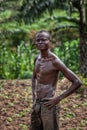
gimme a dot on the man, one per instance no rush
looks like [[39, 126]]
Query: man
[[45, 77]]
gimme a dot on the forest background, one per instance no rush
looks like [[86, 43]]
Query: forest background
[[20, 20], [66, 20]]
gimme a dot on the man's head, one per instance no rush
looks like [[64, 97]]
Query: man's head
[[42, 40]]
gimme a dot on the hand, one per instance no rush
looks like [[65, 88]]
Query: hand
[[51, 102]]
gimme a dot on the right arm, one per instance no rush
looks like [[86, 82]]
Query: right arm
[[34, 83], [33, 86]]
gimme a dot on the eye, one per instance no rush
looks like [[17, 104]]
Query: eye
[[44, 39], [37, 40]]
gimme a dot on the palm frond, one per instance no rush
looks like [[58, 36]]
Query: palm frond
[[64, 27], [63, 18], [35, 8]]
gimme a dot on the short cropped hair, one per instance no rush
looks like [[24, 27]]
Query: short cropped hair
[[43, 31]]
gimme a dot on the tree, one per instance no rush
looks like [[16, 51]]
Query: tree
[[81, 6], [30, 10], [83, 36]]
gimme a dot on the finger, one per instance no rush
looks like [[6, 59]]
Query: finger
[[47, 103], [50, 106], [45, 99]]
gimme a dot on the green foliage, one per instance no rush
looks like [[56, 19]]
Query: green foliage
[[68, 52], [30, 10], [84, 80], [23, 126], [16, 62], [16, 50]]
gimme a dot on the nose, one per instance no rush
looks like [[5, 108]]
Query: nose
[[40, 42]]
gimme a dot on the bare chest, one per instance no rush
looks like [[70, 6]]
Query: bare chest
[[44, 67]]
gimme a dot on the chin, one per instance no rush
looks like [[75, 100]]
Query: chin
[[41, 49]]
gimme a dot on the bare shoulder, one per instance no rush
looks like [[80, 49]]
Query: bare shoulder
[[57, 62], [36, 58], [66, 71]]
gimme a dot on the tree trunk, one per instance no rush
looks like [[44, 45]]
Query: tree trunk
[[83, 37]]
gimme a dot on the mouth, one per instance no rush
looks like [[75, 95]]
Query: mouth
[[40, 46]]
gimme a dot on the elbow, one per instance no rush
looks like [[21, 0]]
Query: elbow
[[78, 83]]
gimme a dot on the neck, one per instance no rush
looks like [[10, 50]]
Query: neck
[[45, 53]]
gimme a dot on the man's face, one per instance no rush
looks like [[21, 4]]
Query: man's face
[[42, 41]]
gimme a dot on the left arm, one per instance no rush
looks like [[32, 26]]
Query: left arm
[[76, 83]]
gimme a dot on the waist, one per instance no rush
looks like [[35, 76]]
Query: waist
[[44, 85], [42, 100]]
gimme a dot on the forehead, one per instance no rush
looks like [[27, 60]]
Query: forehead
[[42, 35]]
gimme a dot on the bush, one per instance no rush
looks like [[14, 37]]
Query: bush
[[68, 52]]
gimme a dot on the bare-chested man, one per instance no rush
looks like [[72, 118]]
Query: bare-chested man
[[45, 77]]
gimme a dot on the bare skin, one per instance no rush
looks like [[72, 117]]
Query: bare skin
[[45, 74]]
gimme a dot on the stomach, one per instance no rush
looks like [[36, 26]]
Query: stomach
[[46, 73], [47, 79], [44, 91]]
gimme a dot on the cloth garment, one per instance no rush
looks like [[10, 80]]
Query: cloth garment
[[43, 118]]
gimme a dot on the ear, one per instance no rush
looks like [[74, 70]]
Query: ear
[[51, 46]]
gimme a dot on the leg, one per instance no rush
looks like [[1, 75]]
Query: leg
[[49, 118], [36, 123]]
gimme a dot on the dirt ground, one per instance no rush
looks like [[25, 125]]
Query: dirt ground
[[16, 103]]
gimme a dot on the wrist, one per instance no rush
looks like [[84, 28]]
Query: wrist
[[59, 98]]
